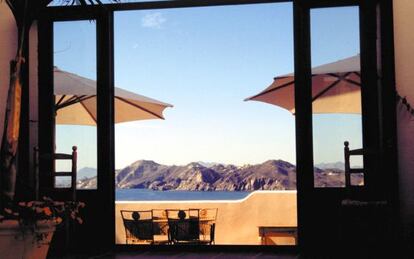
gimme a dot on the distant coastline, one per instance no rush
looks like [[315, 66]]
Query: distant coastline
[[200, 176]]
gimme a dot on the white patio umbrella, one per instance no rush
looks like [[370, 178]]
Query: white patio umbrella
[[76, 102], [336, 88]]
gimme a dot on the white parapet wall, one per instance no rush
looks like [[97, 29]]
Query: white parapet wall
[[238, 221]]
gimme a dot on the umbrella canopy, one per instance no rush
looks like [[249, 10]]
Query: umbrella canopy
[[76, 102], [336, 88]]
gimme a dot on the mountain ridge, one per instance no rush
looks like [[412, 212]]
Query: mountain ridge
[[269, 175]]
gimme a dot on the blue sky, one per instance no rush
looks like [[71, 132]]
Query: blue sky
[[205, 61]]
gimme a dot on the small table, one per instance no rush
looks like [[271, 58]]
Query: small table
[[266, 232]]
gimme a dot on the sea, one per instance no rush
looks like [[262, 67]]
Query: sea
[[151, 195]]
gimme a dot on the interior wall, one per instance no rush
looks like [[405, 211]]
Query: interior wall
[[404, 66], [8, 44]]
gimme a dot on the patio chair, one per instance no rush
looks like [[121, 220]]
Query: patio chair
[[64, 183], [183, 226], [352, 174], [138, 226], [208, 225]]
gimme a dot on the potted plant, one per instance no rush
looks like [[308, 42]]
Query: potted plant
[[27, 228]]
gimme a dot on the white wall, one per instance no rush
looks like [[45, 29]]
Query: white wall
[[237, 222], [8, 42], [404, 66]]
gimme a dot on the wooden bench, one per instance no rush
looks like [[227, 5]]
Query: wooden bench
[[268, 234]]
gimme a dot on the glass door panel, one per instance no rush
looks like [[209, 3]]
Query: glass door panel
[[75, 99], [336, 97]]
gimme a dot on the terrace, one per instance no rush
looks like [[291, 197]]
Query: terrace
[[250, 214]]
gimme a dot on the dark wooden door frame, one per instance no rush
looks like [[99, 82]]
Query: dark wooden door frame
[[105, 112], [304, 154], [303, 118], [105, 67], [378, 111]]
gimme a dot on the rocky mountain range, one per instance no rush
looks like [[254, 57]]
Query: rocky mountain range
[[270, 175], [335, 165], [86, 172]]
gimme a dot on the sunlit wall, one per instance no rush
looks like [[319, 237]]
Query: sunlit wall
[[404, 66]]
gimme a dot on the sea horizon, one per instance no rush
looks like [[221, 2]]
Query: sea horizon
[[176, 195]]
